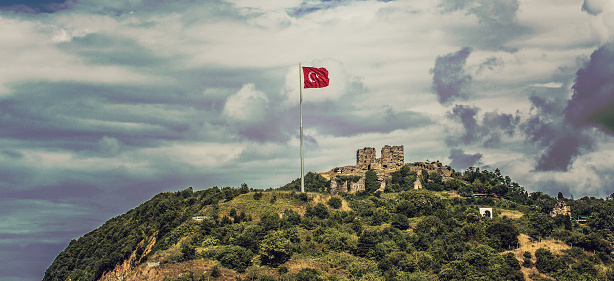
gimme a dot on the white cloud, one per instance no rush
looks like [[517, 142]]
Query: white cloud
[[247, 105]]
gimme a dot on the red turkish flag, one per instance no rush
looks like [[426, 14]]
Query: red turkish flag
[[315, 77]]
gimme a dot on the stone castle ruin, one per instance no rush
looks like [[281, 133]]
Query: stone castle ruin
[[560, 209], [391, 157], [352, 178]]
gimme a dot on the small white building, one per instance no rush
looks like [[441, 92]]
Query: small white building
[[200, 218], [486, 212]]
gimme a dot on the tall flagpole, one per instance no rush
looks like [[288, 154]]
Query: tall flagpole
[[300, 86]]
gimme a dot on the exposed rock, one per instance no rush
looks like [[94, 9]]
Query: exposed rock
[[561, 209]]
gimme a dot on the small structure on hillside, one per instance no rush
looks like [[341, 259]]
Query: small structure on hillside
[[484, 195], [560, 209], [581, 219], [200, 218], [486, 212]]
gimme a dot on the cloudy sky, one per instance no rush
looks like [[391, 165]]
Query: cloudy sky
[[104, 104]]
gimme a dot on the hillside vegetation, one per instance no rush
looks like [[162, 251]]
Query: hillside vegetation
[[436, 233]]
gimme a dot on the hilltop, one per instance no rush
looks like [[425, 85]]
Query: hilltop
[[402, 233]]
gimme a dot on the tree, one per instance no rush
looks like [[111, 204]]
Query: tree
[[366, 243], [541, 223], [546, 262], [320, 210], [502, 235], [335, 202], [314, 182], [511, 268], [371, 182], [258, 195], [270, 221], [400, 221], [275, 248], [188, 252], [291, 217], [236, 257], [251, 237], [415, 203], [435, 177]]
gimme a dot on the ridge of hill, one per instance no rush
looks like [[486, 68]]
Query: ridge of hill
[[436, 233]]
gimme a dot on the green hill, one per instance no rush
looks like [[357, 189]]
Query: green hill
[[436, 233]]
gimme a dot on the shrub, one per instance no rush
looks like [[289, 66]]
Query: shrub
[[258, 195], [335, 202], [215, 272], [275, 249], [282, 270], [236, 257], [400, 221], [308, 274], [527, 255], [188, 252]]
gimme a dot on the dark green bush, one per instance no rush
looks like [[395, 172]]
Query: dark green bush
[[335, 202]]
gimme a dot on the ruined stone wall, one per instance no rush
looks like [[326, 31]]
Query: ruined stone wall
[[560, 209], [392, 157], [337, 186], [365, 158], [445, 172]]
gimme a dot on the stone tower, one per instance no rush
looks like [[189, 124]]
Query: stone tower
[[392, 157], [365, 158]]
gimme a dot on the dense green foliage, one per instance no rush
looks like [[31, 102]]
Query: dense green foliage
[[314, 182], [403, 234], [100, 250]]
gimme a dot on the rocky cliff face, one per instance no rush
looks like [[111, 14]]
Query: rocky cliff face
[[127, 269], [338, 185]]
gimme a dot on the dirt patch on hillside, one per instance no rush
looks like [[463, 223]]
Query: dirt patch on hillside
[[528, 245]]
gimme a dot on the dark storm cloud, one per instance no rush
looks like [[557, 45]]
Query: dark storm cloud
[[561, 153], [506, 123], [563, 128], [488, 130], [560, 140], [542, 127], [467, 116], [592, 103], [450, 82], [462, 160], [35, 6]]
